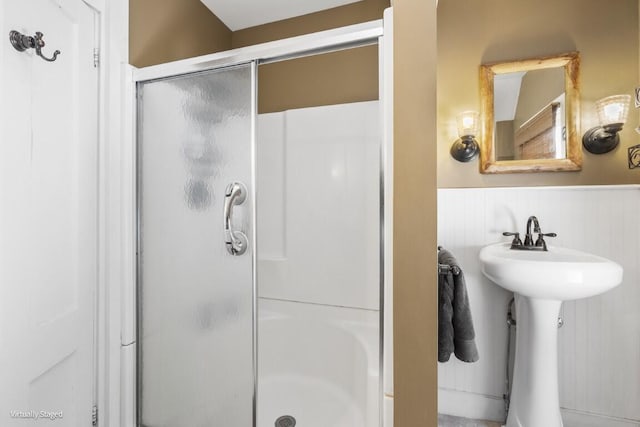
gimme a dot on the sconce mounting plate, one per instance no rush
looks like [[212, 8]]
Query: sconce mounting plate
[[598, 140], [465, 149]]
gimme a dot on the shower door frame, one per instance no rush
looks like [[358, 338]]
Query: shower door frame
[[359, 35]]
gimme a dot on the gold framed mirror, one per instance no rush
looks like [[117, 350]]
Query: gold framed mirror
[[530, 115]]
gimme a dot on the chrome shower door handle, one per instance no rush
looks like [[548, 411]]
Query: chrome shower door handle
[[236, 241]]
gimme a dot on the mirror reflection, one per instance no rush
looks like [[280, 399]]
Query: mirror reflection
[[529, 115]]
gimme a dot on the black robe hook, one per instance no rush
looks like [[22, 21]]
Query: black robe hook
[[21, 43]]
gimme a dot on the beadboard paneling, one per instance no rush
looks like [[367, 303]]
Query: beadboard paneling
[[599, 348]]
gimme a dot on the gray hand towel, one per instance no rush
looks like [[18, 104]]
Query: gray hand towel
[[455, 325]]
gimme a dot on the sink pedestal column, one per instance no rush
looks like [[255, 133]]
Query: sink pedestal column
[[535, 398]]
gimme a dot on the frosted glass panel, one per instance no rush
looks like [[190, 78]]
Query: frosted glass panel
[[195, 299]]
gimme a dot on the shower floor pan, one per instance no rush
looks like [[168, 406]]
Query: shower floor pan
[[318, 365]]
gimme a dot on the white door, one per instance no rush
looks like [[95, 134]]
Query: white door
[[48, 215]]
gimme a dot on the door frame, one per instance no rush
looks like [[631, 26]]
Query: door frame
[[120, 305], [100, 326]]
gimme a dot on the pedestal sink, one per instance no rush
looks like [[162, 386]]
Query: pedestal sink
[[541, 281]]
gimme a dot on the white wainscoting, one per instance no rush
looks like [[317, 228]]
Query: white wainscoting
[[599, 345]]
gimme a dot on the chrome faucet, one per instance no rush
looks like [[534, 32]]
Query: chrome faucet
[[529, 245]]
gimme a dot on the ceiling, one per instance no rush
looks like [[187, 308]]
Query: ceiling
[[239, 14], [506, 91]]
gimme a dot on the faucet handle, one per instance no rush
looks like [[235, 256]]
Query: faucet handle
[[516, 238], [540, 241]]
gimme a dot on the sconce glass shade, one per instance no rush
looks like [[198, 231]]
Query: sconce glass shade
[[612, 113], [466, 148], [468, 123], [613, 109]]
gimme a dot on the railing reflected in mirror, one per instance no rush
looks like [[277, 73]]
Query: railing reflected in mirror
[[530, 113]]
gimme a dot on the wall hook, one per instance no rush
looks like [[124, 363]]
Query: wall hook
[[21, 43]]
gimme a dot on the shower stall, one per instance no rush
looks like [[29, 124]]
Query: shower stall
[[263, 247]]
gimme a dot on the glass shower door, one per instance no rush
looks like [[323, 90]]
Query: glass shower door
[[195, 255]]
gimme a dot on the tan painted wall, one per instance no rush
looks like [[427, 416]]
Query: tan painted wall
[[186, 28], [336, 78], [329, 79], [168, 30], [415, 212], [505, 140], [474, 32], [538, 89]]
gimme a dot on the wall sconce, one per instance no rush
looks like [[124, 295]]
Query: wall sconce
[[466, 147], [612, 113]]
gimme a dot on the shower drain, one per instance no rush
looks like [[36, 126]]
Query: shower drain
[[285, 421]]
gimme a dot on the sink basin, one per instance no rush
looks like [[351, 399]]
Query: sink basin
[[541, 281], [559, 274]]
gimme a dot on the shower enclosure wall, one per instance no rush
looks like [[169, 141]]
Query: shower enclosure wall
[[261, 247]]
